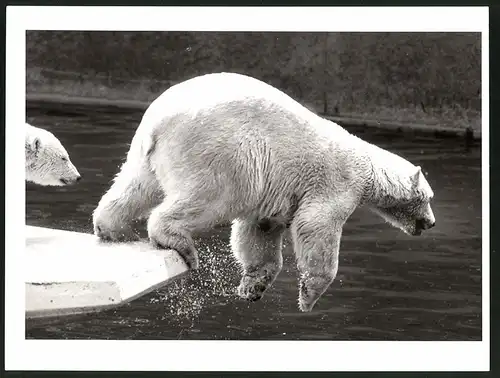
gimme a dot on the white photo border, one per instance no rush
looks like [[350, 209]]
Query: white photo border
[[180, 355]]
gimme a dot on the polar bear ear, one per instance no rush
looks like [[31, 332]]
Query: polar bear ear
[[416, 176], [35, 144]]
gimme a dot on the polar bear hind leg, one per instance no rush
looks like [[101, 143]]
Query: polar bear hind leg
[[257, 247], [172, 223]]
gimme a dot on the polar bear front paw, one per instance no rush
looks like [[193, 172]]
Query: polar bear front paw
[[311, 288], [305, 306]]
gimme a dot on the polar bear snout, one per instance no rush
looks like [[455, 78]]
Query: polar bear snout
[[71, 180], [423, 224], [426, 220], [68, 174]]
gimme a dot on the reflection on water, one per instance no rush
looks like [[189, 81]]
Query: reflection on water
[[389, 286]]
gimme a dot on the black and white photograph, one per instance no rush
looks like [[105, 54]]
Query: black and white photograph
[[197, 182]]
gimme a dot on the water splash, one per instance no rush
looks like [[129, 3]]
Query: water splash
[[215, 281]]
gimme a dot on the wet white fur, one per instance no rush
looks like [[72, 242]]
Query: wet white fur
[[47, 161], [227, 147]]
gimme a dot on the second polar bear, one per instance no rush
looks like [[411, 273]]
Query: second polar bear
[[228, 147], [47, 161]]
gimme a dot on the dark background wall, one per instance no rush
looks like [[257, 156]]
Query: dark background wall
[[334, 73]]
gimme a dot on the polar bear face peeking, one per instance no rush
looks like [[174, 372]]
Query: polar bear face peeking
[[411, 212], [47, 161]]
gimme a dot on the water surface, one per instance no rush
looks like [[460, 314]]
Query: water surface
[[389, 286]]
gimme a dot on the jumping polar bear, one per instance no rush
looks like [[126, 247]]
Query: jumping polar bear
[[47, 161], [227, 147]]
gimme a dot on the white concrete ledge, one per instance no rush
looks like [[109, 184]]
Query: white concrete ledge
[[71, 273]]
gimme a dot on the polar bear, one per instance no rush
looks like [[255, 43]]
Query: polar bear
[[47, 161], [226, 147]]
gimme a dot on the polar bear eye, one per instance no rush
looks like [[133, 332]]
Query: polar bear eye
[[63, 158]]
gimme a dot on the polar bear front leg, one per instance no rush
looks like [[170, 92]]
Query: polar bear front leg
[[317, 254], [257, 247], [135, 191], [316, 231]]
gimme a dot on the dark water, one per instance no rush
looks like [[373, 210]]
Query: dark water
[[389, 286]]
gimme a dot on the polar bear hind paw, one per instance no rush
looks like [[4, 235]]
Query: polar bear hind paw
[[121, 235], [252, 288], [179, 244]]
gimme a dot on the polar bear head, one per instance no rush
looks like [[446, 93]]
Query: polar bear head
[[47, 161], [410, 209]]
